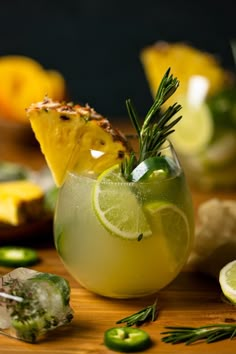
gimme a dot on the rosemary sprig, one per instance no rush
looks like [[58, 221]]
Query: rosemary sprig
[[157, 124], [208, 333], [147, 314]]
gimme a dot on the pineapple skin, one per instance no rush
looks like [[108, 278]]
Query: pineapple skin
[[67, 133], [20, 202]]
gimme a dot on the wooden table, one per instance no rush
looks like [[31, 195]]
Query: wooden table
[[191, 299]]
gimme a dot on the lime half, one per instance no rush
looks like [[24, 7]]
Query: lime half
[[227, 279], [117, 207], [170, 223], [195, 130]]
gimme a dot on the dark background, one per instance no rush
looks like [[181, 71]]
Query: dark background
[[96, 44]]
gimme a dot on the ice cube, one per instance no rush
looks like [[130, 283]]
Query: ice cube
[[33, 303]]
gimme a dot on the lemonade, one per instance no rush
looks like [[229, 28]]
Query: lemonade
[[150, 251]]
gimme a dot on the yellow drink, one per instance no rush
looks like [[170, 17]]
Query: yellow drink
[[113, 265]]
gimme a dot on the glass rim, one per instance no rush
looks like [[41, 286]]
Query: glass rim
[[78, 175]]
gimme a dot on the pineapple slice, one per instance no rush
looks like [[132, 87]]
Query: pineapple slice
[[20, 202], [75, 138], [185, 62]]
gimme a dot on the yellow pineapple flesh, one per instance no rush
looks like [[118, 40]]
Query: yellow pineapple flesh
[[20, 202], [75, 138], [185, 62], [24, 80]]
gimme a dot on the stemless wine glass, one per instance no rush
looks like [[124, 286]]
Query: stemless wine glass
[[124, 239]]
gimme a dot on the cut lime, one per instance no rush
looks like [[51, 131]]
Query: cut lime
[[170, 222], [117, 207], [227, 279], [195, 130]]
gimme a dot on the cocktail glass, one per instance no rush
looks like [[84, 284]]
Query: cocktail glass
[[124, 239], [206, 136]]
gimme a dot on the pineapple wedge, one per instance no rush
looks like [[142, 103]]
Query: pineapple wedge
[[72, 138], [185, 62], [20, 202]]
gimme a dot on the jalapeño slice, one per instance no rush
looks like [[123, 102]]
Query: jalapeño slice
[[153, 167], [14, 256], [126, 339]]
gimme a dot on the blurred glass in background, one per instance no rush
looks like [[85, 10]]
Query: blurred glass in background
[[206, 136]]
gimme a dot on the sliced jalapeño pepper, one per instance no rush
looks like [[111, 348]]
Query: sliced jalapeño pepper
[[159, 167], [126, 339], [14, 256]]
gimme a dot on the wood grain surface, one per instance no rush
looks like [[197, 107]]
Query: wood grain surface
[[192, 299]]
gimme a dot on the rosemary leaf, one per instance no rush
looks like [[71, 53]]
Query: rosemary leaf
[[145, 315], [209, 333], [133, 115]]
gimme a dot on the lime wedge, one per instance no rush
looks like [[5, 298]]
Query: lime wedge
[[170, 222], [117, 206], [195, 130], [227, 279]]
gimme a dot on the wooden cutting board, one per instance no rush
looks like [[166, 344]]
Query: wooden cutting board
[[191, 300]]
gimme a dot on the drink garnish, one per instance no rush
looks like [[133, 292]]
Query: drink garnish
[[69, 134], [156, 127], [118, 221]]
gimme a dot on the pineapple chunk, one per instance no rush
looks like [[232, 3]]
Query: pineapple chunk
[[20, 202], [70, 134]]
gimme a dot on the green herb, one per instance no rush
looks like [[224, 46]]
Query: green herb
[[30, 316], [147, 314], [24, 314], [208, 333], [156, 127], [26, 309]]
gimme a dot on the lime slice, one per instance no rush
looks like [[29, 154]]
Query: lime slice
[[227, 279], [170, 222], [117, 206], [195, 130]]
